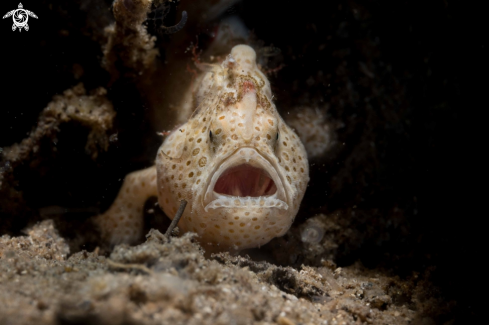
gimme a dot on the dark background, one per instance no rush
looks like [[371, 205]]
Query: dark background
[[428, 59]]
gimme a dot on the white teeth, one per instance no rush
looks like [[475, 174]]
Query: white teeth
[[224, 201], [214, 200]]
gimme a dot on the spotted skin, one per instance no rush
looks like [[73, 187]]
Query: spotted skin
[[235, 123], [123, 221]]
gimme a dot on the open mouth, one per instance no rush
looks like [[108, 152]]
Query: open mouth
[[245, 179]]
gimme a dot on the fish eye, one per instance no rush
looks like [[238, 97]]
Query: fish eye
[[276, 137], [210, 134]]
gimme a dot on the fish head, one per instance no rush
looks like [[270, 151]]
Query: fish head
[[243, 171]]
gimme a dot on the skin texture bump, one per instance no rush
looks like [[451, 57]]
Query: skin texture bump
[[242, 170]]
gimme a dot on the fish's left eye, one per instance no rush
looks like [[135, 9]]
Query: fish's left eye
[[276, 137], [210, 135]]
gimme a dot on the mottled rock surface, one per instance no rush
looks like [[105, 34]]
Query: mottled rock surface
[[163, 281]]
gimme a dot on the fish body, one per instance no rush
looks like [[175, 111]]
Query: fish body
[[241, 169]]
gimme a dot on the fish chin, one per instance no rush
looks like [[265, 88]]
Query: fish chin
[[245, 180]]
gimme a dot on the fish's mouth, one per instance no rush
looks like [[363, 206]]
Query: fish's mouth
[[245, 179]]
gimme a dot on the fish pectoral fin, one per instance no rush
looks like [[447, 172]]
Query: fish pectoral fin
[[123, 221]]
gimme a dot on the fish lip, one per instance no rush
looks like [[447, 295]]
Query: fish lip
[[238, 157]]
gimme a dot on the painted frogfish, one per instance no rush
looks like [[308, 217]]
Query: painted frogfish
[[241, 169]]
